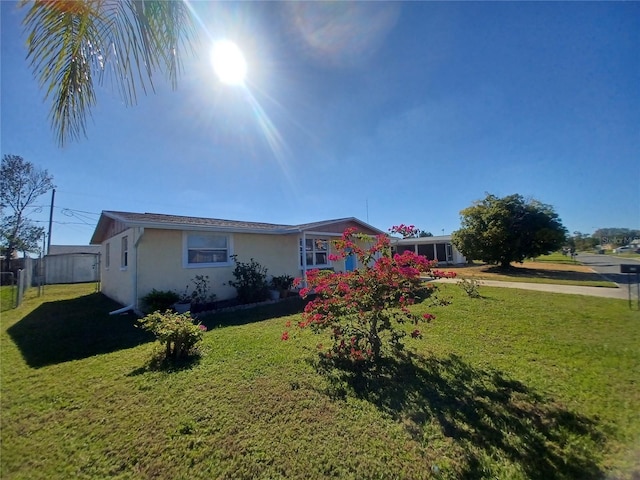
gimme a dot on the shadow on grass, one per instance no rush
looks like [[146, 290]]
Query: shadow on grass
[[159, 363], [289, 306], [485, 414], [523, 272], [65, 330]]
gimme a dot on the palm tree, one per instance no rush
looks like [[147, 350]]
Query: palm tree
[[74, 45]]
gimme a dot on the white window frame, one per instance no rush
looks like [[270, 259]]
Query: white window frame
[[314, 251], [185, 250], [124, 252]]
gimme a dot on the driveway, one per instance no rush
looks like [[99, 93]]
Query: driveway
[[609, 267], [604, 292]]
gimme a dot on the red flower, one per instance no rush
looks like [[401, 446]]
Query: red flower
[[416, 334], [285, 336]]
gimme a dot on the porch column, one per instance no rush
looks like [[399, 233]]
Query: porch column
[[303, 256]]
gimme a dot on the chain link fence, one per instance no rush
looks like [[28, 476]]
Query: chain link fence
[[14, 285]]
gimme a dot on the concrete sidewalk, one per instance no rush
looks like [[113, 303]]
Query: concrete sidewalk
[[619, 293]]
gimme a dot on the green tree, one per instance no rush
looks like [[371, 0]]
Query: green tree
[[21, 183], [582, 241], [510, 229], [76, 44]]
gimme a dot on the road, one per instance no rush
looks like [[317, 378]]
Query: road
[[609, 267]]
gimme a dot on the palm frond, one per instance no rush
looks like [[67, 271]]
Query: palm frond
[[74, 45]]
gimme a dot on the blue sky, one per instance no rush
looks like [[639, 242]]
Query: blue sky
[[389, 112]]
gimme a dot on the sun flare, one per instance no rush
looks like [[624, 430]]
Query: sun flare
[[228, 62]]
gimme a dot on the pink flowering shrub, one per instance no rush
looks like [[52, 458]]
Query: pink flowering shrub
[[406, 231], [177, 332], [363, 309]]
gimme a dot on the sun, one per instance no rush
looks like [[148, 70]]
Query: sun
[[228, 62]]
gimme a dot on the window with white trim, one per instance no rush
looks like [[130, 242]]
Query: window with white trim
[[124, 258], [203, 249], [107, 255], [315, 251]]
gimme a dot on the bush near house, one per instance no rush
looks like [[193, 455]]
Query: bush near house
[[159, 300], [250, 281], [178, 333]]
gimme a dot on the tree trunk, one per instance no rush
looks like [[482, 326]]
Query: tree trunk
[[374, 339]]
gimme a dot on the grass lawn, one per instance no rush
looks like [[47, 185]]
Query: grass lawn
[[556, 257], [538, 271], [7, 297], [514, 385]]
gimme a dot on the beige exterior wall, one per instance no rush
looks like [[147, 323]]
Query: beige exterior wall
[[117, 280], [161, 263], [158, 261]]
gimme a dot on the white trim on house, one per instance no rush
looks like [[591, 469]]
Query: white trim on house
[[185, 249], [124, 252]]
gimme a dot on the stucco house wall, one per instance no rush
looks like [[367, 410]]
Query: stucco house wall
[[117, 280], [161, 261], [142, 252]]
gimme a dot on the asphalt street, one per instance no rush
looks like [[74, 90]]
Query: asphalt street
[[609, 267]]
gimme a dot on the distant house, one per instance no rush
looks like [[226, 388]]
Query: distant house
[[145, 251], [434, 248]]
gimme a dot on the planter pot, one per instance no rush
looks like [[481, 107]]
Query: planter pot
[[182, 307], [274, 294]]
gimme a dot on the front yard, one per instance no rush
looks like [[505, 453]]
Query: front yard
[[517, 384], [542, 270]]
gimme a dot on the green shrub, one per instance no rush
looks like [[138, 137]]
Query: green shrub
[[200, 293], [282, 282], [159, 300], [250, 281], [175, 331], [470, 286]]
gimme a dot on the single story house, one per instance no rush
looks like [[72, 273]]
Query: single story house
[[437, 248], [145, 251]]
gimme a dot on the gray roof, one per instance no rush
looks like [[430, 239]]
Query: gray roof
[[179, 222]]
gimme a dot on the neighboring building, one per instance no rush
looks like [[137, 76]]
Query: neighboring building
[[72, 264], [143, 251], [434, 248]]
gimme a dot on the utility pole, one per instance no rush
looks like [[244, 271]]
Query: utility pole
[[53, 196]]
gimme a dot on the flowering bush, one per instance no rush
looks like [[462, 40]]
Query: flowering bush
[[407, 231], [363, 309], [177, 332]]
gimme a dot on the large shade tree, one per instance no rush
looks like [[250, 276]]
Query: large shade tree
[[74, 45], [510, 229], [21, 183]]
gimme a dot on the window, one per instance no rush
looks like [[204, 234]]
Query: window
[[205, 249], [107, 255], [124, 259], [316, 252]]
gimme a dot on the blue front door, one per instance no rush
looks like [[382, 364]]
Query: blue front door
[[350, 262]]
